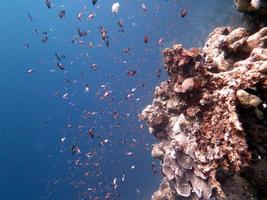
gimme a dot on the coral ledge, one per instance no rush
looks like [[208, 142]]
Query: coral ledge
[[210, 118]]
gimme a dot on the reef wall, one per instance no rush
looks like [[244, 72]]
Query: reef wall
[[210, 118]]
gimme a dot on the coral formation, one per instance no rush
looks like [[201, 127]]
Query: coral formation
[[250, 6], [210, 118], [255, 13]]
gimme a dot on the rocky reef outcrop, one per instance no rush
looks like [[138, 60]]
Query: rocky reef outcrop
[[210, 118], [252, 6], [255, 13]]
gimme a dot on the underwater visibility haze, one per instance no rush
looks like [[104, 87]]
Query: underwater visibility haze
[[74, 76]]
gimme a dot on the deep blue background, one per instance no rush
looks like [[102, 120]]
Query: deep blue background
[[34, 163]]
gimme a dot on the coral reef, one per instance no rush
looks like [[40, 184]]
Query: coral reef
[[255, 13], [250, 6], [259, 6], [210, 118]]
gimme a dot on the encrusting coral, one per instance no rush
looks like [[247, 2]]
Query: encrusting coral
[[201, 116]]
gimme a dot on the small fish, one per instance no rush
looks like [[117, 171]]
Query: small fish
[[131, 73], [90, 44], [80, 14], [30, 71], [65, 96], [144, 6], [107, 43], [56, 93], [146, 39], [123, 177], [26, 46], [183, 13], [129, 153], [115, 115], [114, 183], [161, 40], [115, 8], [94, 2], [263, 107], [87, 88], [158, 73], [129, 96], [91, 16], [62, 14], [126, 50], [104, 35], [57, 56], [91, 132], [48, 4], [106, 94], [44, 39], [37, 31], [68, 125], [104, 142], [94, 66], [60, 66], [29, 15], [154, 168], [108, 196], [110, 75], [74, 40], [120, 23], [75, 150], [81, 33], [70, 81], [63, 139]]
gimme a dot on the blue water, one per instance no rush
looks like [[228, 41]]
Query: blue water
[[35, 118]]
